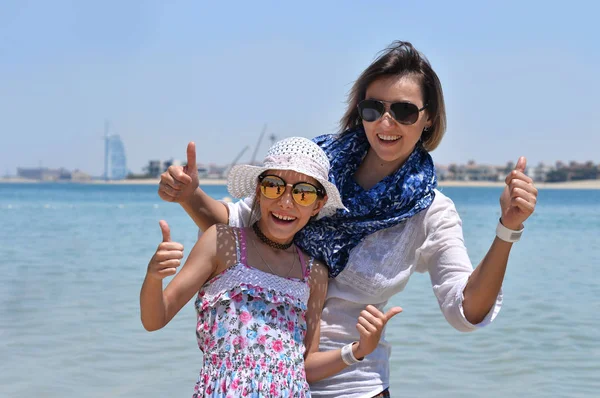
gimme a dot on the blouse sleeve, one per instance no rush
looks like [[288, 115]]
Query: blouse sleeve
[[445, 256], [239, 213]]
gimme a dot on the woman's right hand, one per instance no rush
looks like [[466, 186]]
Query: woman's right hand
[[178, 183], [370, 326], [167, 257]]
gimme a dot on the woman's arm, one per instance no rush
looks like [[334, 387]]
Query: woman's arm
[[518, 202], [470, 298], [158, 307], [181, 185], [320, 365]]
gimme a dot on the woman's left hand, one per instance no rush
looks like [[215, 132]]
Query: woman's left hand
[[519, 197]]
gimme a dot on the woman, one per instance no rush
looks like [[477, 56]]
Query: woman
[[396, 223]]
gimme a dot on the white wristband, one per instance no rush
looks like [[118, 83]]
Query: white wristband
[[507, 235], [347, 355]]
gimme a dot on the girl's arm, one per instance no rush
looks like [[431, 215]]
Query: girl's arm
[[320, 365], [158, 307]]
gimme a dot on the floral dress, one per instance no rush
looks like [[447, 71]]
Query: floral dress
[[251, 328]]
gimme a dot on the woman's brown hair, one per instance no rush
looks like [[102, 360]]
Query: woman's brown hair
[[398, 60]]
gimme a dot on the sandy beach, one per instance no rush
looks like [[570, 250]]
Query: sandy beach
[[586, 184], [141, 181]]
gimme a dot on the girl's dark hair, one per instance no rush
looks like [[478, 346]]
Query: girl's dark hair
[[398, 60]]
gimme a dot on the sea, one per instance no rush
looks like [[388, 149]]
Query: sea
[[73, 258]]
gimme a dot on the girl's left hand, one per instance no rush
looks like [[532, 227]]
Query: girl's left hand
[[370, 325], [519, 197]]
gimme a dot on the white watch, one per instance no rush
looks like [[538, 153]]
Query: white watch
[[508, 235], [348, 356]]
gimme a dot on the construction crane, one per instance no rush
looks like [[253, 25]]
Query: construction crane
[[273, 138], [233, 163], [262, 133]]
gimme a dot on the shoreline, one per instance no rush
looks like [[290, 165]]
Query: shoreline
[[585, 184]]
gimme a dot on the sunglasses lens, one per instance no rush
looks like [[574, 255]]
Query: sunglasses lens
[[304, 194], [405, 112], [272, 187], [370, 110]]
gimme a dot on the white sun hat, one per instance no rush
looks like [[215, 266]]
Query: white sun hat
[[298, 154]]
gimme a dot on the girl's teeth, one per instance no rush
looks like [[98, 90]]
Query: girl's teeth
[[388, 137], [285, 218]]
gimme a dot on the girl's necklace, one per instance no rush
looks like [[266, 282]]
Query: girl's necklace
[[269, 242], [267, 264]]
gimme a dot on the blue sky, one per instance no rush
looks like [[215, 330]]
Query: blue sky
[[520, 77]]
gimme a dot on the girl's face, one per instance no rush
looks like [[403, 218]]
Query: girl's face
[[391, 141], [282, 217]]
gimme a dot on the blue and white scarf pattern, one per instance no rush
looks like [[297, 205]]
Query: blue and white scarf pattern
[[394, 199]]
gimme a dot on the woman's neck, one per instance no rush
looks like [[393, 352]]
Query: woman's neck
[[373, 169]]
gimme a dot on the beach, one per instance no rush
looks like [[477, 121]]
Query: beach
[[585, 184]]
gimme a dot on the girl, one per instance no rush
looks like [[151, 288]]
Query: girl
[[259, 297]]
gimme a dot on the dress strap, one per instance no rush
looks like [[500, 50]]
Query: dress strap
[[240, 245], [305, 269]]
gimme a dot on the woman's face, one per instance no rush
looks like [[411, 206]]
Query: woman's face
[[391, 141], [282, 217]]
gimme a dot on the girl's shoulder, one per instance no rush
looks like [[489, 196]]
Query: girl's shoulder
[[220, 231], [228, 241], [318, 268], [228, 232]]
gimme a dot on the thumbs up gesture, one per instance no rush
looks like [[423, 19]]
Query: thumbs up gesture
[[167, 257], [370, 325], [178, 183], [519, 197]]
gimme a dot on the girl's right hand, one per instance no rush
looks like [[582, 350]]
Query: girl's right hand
[[167, 257], [370, 325]]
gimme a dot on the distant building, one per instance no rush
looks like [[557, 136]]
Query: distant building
[[216, 172], [43, 174], [80, 176], [154, 168], [573, 172], [540, 172], [442, 172], [115, 161], [171, 162], [473, 172], [202, 171]]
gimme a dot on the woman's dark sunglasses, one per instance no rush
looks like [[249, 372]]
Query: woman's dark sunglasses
[[403, 112], [304, 193]]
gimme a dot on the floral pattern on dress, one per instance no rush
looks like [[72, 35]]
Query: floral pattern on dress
[[252, 333]]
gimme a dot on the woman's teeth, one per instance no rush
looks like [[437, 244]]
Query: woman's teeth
[[388, 137]]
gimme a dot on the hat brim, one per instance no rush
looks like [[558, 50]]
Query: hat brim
[[243, 179]]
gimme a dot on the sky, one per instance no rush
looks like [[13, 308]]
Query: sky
[[519, 77]]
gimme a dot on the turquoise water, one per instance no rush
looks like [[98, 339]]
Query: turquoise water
[[73, 258]]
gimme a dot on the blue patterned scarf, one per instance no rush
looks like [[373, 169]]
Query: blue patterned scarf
[[394, 199]]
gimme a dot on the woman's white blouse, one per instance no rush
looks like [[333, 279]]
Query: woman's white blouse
[[379, 267]]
